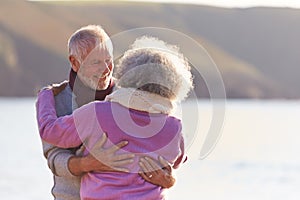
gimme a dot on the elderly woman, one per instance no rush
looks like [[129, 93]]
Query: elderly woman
[[153, 76]]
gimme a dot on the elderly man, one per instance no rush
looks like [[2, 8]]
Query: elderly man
[[91, 60]]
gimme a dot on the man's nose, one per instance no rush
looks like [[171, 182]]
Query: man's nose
[[105, 68]]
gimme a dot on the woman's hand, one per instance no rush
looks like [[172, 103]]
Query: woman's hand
[[57, 88], [157, 172]]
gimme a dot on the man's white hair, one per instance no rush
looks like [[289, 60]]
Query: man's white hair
[[157, 67], [85, 39]]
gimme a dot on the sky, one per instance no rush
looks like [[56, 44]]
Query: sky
[[224, 3]]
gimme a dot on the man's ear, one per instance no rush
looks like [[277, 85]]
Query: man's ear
[[74, 63]]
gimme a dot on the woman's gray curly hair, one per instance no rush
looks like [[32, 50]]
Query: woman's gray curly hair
[[157, 67]]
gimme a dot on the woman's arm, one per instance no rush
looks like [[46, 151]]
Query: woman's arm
[[183, 157], [61, 131]]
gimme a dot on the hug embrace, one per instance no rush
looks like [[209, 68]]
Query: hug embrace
[[115, 137]]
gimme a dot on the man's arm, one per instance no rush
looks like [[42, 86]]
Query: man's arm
[[57, 159], [101, 159], [64, 162]]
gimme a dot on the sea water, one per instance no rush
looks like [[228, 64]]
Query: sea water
[[255, 158]]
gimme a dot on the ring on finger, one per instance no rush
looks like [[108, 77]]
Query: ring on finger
[[150, 176]]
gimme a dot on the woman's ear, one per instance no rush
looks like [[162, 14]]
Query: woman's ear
[[74, 63]]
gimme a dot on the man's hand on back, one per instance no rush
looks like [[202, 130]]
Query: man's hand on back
[[101, 159], [157, 172]]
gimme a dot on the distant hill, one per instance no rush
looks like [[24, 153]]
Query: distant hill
[[257, 50]]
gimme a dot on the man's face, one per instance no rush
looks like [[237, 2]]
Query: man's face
[[96, 69]]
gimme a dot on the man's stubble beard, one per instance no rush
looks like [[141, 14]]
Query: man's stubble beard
[[94, 84]]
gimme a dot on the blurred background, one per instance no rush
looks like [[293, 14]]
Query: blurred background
[[256, 49], [255, 45]]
